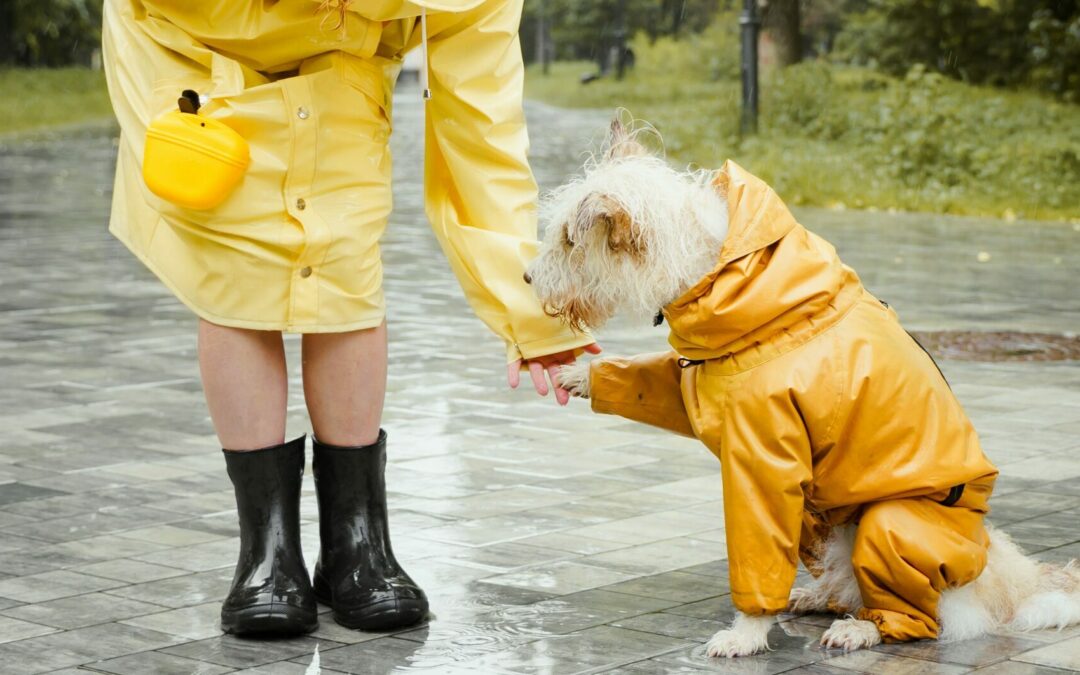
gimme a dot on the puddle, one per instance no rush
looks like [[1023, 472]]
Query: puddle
[[996, 346]]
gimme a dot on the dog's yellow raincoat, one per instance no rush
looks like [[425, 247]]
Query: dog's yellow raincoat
[[307, 84], [823, 411]]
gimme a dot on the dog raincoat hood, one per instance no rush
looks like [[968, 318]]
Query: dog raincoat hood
[[773, 276], [815, 400]]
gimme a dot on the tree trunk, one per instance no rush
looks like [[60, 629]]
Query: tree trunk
[[782, 24]]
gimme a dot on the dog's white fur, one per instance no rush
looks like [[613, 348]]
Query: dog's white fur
[[632, 234]]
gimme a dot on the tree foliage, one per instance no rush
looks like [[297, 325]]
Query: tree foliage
[[587, 29], [49, 32], [998, 42]]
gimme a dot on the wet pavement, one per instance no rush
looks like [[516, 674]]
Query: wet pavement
[[550, 540]]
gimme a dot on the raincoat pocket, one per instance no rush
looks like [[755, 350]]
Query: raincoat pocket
[[366, 77]]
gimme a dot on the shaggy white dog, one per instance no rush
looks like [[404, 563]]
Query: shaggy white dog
[[659, 233]]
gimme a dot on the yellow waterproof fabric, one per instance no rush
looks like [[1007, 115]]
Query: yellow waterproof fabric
[[808, 391], [907, 551], [295, 246]]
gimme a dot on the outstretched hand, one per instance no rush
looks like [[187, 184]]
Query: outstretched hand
[[550, 364]]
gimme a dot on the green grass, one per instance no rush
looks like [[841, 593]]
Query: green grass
[[844, 137], [39, 97]]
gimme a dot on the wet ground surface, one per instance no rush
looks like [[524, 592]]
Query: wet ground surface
[[966, 345], [549, 540]]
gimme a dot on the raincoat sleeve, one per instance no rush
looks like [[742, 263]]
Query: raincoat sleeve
[[481, 196], [765, 461], [644, 388]]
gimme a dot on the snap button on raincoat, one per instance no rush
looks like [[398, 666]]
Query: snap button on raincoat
[[813, 397], [296, 246]]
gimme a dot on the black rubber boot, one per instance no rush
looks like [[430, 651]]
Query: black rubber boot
[[357, 574], [271, 591]]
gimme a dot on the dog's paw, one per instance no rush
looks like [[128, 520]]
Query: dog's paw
[[575, 378], [851, 634], [731, 643], [747, 635], [807, 600]]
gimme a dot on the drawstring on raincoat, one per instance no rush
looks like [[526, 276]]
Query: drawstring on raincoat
[[424, 54]]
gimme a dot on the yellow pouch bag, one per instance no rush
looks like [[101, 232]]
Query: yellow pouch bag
[[192, 161]]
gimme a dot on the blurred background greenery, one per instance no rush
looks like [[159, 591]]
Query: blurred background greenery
[[951, 106], [954, 106]]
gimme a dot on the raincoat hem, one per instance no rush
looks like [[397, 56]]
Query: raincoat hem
[[229, 322], [756, 604]]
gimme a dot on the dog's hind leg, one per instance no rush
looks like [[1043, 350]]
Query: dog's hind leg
[[851, 634], [834, 589]]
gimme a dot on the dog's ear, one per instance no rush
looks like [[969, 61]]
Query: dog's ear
[[620, 141], [612, 219], [620, 227]]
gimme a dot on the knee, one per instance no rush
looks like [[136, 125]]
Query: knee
[[878, 528]]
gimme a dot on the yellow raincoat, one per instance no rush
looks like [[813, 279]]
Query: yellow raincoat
[[295, 247], [822, 411]]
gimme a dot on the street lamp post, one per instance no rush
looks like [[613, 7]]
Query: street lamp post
[[620, 40], [749, 22]]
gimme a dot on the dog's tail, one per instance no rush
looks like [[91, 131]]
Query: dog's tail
[[1056, 600], [1014, 591]]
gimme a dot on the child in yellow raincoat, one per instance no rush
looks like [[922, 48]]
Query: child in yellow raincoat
[[296, 248]]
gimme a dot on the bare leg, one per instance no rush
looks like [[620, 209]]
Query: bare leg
[[345, 384], [246, 384]]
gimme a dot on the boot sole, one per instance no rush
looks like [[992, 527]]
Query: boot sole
[[269, 620], [378, 616]]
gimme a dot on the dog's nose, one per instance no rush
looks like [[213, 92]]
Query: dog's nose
[[527, 278]]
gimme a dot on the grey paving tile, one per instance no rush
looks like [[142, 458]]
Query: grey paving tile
[[131, 571], [228, 650], [386, 654], [1065, 655], [81, 610], [599, 648], [80, 646], [1019, 668], [788, 653], [560, 578], [977, 652], [52, 585], [159, 664], [672, 625], [197, 622], [20, 492], [12, 629], [867, 661], [183, 591], [677, 585]]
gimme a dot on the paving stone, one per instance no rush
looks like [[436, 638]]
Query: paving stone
[[976, 652], [78, 611], [1019, 668], [14, 629], [52, 585], [236, 652], [197, 622], [158, 664], [1064, 655], [131, 571]]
